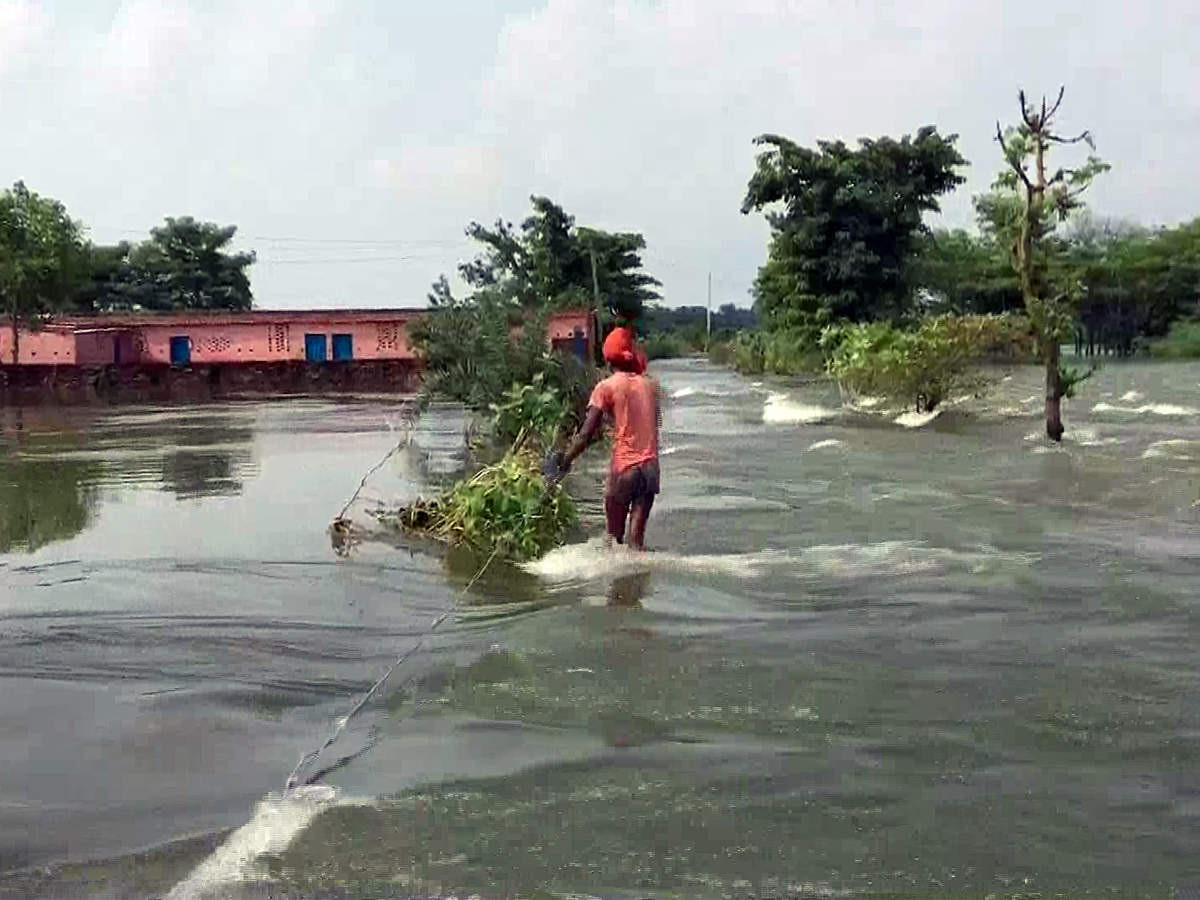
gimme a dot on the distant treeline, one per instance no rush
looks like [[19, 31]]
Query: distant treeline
[[683, 330], [1134, 281]]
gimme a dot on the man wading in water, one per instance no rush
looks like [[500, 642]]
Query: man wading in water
[[629, 398]]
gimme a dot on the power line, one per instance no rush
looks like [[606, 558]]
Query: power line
[[295, 239], [347, 259]]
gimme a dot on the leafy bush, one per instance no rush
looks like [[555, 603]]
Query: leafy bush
[[1181, 342], [505, 508], [538, 408], [780, 352], [487, 357], [922, 365]]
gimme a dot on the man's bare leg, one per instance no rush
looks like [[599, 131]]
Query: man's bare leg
[[637, 521], [615, 513]]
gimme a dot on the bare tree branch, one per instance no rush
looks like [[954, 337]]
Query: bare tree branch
[[1016, 166], [1059, 139], [1057, 103], [1025, 110]]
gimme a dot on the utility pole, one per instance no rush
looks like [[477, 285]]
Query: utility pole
[[595, 283], [708, 316], [596, 358]]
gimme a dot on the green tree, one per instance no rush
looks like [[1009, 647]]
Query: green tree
[[184, 265], [106, 272], [547, 264], [41, 258], [956, 271], [1025, 207], [843, 224]]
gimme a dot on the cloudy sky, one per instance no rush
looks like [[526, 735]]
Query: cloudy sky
[[351, 142]]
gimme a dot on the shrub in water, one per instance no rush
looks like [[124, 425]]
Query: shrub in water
[[922, 365]]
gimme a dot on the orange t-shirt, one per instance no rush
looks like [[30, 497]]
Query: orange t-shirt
[[632, 403]]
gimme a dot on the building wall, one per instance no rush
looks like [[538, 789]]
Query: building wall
[[97, 348], [275, 342], [47, 348], [107, 341]]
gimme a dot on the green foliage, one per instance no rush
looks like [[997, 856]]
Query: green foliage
[[1181, 342], [1025, 207], [481, 354], [784, 351], [843, 225], [1136, 281], [1070, 377], [41, 257], [672, 344], [504, 507], [538, 408], [547, 264], [963, 273], [919, 366], [185, 265]]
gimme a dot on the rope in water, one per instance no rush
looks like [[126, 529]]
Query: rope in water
[[415, 404], [345, 720]]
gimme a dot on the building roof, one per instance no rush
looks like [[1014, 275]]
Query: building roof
[[234, 317]]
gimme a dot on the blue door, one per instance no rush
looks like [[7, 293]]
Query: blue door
[[343, 347], [181, 350], [314, 347]]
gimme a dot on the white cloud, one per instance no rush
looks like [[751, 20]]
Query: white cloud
[[23, 23], [149, 43], [642, 114], [403, 122]]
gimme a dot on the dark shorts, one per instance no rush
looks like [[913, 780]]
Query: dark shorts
[[635, 483]]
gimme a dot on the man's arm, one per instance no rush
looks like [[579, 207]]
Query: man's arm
[[587, 433]]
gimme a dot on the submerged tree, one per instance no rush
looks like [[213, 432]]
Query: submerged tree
[[1025, 206]]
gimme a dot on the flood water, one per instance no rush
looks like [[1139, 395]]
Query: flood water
[[864, 660]]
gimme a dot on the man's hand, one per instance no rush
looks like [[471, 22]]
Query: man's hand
[[555, 467]]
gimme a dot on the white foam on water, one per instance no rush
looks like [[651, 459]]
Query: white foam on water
[[916, 419], [780, 410], [1158, 409], [866, 402], [1169, 450], [596, 559], [668, 451], [824, 445], [1131, 396], [276, 821], [683, 392]]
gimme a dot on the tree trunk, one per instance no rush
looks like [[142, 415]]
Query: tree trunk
[[16, 338], [1054, 425]]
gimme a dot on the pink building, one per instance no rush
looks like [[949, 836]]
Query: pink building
[[257, 336]]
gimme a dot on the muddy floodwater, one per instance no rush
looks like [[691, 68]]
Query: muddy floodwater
[[867, 658]]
